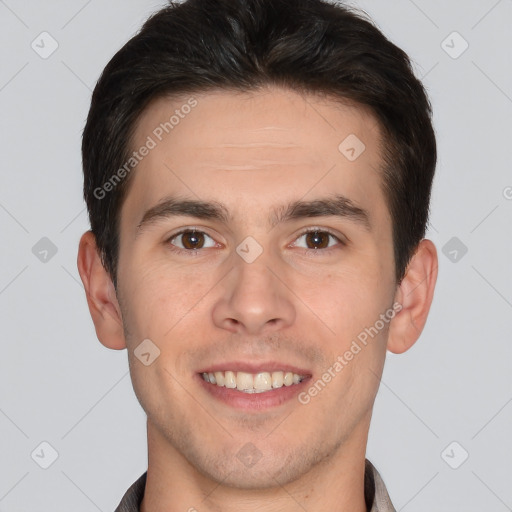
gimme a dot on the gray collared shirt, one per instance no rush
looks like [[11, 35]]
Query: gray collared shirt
[[376, 495]]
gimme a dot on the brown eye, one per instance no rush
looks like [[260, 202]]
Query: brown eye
[[317, 239], [192, 240]]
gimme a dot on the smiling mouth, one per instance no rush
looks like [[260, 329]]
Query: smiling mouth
[[252, 382]]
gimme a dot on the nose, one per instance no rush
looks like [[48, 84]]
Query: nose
[[254, 299]]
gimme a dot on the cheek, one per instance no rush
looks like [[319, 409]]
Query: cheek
[[162, 294], [350, 300]]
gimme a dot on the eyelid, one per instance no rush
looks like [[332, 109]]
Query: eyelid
[[186, 229]]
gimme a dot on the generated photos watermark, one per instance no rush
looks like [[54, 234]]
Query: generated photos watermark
[[151, 143], [355, 348]]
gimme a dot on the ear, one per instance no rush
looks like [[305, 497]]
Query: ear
[[415, 294], [100, 294]]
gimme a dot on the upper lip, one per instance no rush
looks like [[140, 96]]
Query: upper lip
[[244, 366]]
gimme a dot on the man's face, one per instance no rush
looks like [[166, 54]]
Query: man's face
[[250, 290]]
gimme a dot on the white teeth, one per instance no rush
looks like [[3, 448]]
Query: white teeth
[[277, 379], [262, 381], [219, 377], [244, 381], [229, 380], [252, 383]]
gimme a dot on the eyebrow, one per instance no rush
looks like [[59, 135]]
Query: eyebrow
[[335, 206]]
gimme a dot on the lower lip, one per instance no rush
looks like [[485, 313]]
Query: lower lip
[[254, 401]]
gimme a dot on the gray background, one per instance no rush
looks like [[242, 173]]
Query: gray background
[[59, 385]]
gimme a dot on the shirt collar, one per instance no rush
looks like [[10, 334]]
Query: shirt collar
[[376, 495], [381, 500]]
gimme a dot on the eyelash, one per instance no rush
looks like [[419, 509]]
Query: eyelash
[[310, 252]]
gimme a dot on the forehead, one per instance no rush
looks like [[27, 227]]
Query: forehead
[[254, 148]]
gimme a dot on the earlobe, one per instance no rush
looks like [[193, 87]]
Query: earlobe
[[100, 294], [414, 294]]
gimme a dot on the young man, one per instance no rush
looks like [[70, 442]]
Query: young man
[[258, 176]]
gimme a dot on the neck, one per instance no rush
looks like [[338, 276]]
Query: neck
[[173, 484]]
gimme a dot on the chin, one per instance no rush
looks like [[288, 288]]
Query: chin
[[249, 469]]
